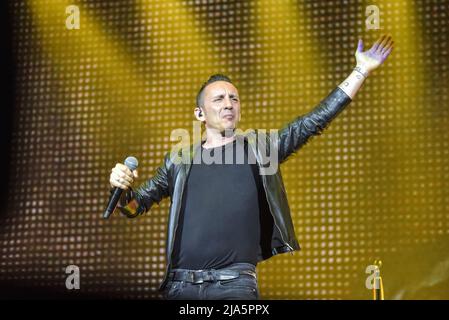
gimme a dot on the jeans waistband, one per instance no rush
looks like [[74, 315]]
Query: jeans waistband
[[198, 276], [234, 266]]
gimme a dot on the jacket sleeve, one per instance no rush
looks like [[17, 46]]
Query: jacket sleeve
[[136, 202], [298, 132]]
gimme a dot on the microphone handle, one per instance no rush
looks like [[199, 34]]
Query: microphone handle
[[113, 202]]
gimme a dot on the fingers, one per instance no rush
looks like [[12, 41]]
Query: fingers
[[385, 41], [115, 182], [119, 182], [387, 53], [381, 43], [387, 47], [122, 177], [377, 43], [122, 167], [135, 174], [360, 46], [385, 44]]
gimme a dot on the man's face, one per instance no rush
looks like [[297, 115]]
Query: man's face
[[221, 106]]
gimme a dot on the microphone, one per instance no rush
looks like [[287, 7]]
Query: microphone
[[131, 163]]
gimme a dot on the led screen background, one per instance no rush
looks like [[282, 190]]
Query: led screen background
[[374, 185]]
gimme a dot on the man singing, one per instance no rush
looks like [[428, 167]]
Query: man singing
[[226, 216]]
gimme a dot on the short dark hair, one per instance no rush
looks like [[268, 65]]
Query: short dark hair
[[213, 78]]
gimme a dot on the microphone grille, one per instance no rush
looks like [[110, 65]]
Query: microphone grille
[[131, 163]]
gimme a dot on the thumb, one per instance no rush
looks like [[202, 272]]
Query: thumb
[[360, 46], [135, 174]]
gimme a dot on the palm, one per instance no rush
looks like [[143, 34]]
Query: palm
[[374, 57]]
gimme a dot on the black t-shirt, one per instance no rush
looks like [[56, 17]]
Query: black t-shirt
[[219, 221]]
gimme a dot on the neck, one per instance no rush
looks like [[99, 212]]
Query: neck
[[216, 138]]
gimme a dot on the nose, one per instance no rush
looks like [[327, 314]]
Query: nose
[[228, 102]]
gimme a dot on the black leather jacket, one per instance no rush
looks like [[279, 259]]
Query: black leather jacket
[[170, 179]]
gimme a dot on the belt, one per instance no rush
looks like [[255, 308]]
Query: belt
[[200, 276]]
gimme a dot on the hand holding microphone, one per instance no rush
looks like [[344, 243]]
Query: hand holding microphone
[[121, 178], [123, 175]]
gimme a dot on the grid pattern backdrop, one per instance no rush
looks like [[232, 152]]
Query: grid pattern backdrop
[[373, 186]]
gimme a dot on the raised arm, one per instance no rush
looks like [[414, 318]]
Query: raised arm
[[298, 132]]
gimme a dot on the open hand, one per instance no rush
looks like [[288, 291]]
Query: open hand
[[371, 59]]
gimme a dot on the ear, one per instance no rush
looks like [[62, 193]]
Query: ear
[[199, 114]]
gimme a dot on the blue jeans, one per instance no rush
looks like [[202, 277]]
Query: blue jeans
[[242, 288]]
